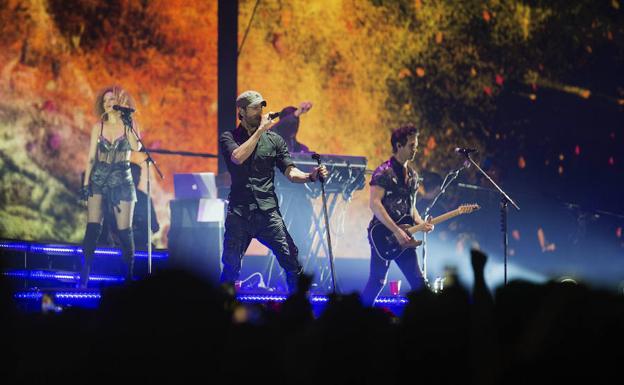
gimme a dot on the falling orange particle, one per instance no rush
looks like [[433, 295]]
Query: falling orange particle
[[516, 235], [417, 4], [420, 72], [560, 170], [521, 162], [620, 102], [439, 37], [589, 49], [541, 238], [431, 143], [585, 94], [533, 97], [561, 157], [286, 18], [577, 150], [609, 35], [544, 244], [486, 16], [404, 72], [473, 72]]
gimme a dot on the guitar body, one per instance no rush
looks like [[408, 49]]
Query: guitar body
[[385, 243], [387, 246]]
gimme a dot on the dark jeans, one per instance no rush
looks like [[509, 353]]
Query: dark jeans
[[269, 228], [408, 264]]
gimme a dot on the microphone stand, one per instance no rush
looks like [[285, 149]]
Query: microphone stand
[[127, 120], [505, 200], [448, 179], [317, 157]]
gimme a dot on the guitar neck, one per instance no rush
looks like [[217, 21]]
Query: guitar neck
[[436, 220]]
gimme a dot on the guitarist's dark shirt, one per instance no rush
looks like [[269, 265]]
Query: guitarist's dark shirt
[[397, 199]]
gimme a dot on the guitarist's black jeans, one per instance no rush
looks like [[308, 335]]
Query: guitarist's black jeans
[[269, 228], [408, 264]]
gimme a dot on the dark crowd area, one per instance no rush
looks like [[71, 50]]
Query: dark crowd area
[[174, 327]]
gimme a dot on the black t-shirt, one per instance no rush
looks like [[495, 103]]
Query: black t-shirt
[[253, 181], [397, 199]]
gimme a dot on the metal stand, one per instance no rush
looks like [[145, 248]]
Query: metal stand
[[318, 245], [320, 240], [505, 200], [127, 120], [448, 179], [317, 157]]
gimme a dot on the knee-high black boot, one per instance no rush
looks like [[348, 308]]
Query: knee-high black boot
[[88, 249], [126, 237]]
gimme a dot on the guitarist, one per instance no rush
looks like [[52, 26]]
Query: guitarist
[[392, 196]]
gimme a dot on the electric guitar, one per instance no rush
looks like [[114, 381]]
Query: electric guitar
[[387, 246]]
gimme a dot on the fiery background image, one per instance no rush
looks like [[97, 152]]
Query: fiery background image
[[535, 86]]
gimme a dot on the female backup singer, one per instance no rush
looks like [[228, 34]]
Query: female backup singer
[[108, 180]]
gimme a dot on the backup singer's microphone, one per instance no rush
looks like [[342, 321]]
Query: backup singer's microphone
[[273, 115], [126, 110], [465, 151]]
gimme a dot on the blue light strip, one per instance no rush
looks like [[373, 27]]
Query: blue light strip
[[395, 301], [245, 298], [52, 249], [61, 297], [255, 298], [69, 295], [15, 246], [28, 295], [58, 275], [259, 298]]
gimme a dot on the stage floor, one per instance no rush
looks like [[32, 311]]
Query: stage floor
[[44, 278]]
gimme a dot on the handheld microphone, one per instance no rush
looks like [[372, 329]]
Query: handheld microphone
[[273, 115], [317, 158], [125, 110]]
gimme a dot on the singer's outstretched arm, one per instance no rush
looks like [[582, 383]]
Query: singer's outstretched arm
[[297, 176], [285, 164]]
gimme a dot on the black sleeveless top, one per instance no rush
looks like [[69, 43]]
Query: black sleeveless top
[[111, 176]]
